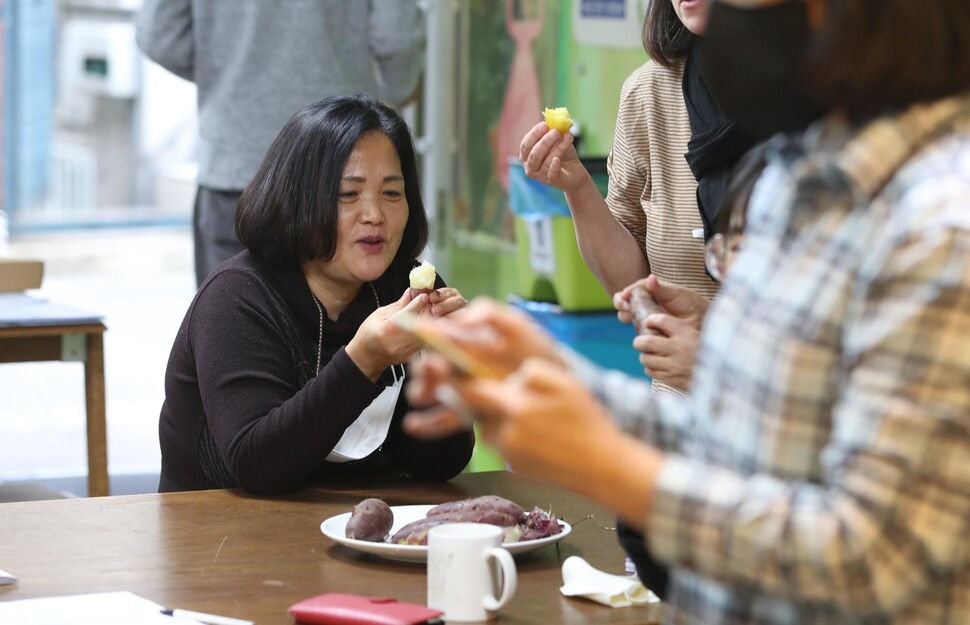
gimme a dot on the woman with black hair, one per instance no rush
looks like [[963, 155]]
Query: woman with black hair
[[288, 368], [819, 470], [672, 156]]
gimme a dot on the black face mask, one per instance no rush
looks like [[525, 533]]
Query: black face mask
[[752, 62]]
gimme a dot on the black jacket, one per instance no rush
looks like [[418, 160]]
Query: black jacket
[[236, 412]]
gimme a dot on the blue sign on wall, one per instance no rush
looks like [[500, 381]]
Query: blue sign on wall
[[612, 9]]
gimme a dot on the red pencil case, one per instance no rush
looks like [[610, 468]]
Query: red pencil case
[[334, 608]]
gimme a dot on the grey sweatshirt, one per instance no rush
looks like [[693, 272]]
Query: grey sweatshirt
[[256, 62]]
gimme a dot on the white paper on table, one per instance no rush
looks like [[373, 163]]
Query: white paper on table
[[114, 608], [580, 579], [7, 578]]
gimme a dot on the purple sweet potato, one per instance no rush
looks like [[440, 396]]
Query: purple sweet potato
[[487, 504], [415, 532], [519, 525], [491, 517], [540, 524], [371, 521], [642, 305]]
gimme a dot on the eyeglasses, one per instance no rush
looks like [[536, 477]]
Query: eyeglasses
[[719, 253]]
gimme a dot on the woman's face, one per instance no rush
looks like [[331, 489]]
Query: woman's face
[[372, 212], [693, 14]]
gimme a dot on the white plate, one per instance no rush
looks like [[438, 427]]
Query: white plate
[[334, 528]]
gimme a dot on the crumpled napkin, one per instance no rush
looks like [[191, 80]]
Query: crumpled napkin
[[580, 579], [7, 578]]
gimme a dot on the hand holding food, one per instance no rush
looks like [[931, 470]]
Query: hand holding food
[[378, 344], [551, 158], [445, 300], [669, 341], [558, 119], [668, 354], [671, 299], [642, 305]]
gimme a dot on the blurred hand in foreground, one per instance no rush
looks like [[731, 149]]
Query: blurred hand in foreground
[[499, 337]]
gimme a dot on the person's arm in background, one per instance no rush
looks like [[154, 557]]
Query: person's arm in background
[[612, 248], [164, 34], [397, 43], [668, 332], [610, 251]]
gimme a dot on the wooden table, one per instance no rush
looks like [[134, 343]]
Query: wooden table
[[228, 553], [34, 330]]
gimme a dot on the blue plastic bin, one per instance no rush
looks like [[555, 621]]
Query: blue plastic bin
[[549, 266], [598, 336]]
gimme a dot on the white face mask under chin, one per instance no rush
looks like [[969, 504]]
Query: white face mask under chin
[[368, 432]]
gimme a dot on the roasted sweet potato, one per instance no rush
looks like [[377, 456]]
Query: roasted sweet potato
[[371, 520], [492, 517], [490, 509], [415, 532], [642, 305], [481, 506]]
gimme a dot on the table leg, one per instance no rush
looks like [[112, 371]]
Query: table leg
[[97, 429]]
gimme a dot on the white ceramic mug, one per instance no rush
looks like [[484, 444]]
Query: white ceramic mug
[[470, 575]]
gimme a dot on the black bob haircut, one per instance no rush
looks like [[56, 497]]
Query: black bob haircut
[[665, 38], [288, 213]]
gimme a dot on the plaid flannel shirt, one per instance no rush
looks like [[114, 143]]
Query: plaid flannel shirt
[[819, 472]]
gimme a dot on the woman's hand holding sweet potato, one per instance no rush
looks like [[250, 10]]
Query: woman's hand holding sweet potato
[[445, 301], [668, 320], [671, 299], [379, 343], [549, 156], [668, 351]]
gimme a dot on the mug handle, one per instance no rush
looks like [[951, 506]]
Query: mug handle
[[509, 579]]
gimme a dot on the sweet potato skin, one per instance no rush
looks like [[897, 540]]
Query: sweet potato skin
[[415, 532], [480, 506], [642, 305], [371, 520]]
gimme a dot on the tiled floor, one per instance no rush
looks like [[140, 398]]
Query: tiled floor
[[141, 281]]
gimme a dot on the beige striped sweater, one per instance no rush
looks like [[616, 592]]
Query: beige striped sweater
[[652, 191]]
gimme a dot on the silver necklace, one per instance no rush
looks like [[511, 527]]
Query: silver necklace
[[320, 311]]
